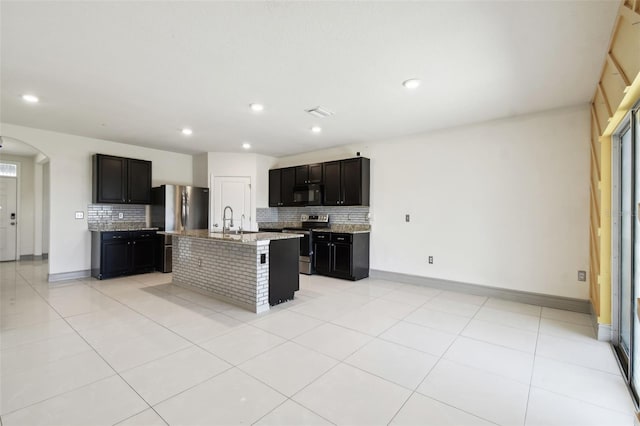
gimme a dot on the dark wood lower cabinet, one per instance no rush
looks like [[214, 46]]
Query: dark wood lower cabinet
[[143, 254], [118, 253], [341, 255], [115, 258], [284, 277]]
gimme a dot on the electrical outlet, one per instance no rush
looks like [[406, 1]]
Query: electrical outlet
[[120, 215], [431, 260], [582, 275], [79, 215], [407, 218]]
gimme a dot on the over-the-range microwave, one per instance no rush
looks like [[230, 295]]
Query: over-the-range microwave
[[307, 195]]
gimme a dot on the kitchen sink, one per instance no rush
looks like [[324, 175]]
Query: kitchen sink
[[235, 232]]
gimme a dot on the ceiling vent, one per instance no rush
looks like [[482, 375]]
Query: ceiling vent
[[319, 112]]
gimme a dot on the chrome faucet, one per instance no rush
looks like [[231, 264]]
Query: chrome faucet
[[241, 223], [224, 219]]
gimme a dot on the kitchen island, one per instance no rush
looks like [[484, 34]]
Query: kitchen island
[[250, 270]]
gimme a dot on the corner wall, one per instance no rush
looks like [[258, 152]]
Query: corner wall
[[255, 166], [499, 204], [70, 187]]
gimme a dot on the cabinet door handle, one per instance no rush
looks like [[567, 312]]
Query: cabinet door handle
[[340, 239], [116, 237]]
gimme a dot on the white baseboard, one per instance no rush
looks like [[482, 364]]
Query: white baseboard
[[74, 275], [547, 300]]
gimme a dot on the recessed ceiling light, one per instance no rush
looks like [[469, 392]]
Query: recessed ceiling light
[[246, 145], [256, 107], [412, 83], [187, 132], [30, 98], [316, 129]]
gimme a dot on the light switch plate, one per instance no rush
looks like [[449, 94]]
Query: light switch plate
[[79, 215], [407, 218]]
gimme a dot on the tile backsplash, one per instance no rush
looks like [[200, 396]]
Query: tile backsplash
[[348, 215], [106, 215]]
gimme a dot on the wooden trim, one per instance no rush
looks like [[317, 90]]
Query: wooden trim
[[614, 63], [594, 169], [597, 207], [594, 235], [605, 99], [595, 158], [594, 116], [630, 14]]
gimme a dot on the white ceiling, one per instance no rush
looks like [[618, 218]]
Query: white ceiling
[[137, 72]]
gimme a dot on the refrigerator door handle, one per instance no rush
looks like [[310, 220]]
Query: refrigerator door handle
[[183, 210], [187, 202]]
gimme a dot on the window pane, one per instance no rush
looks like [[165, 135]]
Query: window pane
[[10, 170]]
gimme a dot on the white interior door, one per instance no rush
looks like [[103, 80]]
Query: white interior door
[[8, 218], [233, 191]]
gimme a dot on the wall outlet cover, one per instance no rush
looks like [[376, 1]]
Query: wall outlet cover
[[582, 275], [79, 215], [120, 215]]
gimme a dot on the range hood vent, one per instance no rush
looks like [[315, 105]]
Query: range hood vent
[[319, 112]]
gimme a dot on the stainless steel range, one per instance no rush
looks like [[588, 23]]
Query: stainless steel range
[[307, 224]]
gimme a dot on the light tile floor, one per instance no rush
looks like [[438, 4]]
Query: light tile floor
[[141, 351]]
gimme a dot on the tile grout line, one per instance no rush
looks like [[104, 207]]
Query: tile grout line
[[440, 358], [533, 367], [96, 352], [458, 335]]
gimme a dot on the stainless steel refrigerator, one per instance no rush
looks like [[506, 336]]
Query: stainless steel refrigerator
[[176, 208]]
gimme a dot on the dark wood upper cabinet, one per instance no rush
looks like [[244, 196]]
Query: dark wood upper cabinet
[[309, 173], [275, 198], [355, 182], [119, 180], [332, 183], [316, 173], [109, 179], [288, 182], [346, 182], [281, 184], [139, 181]]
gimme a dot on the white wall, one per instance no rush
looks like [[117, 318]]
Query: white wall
[[200, 174], [244, 164], [501, 204], [263, 164], [46, 216], [70, 186]]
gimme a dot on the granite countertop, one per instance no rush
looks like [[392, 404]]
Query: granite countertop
[[341, 228], [122, 228], [246, 238], [347, 229]]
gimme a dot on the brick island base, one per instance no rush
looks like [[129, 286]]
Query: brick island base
[[253, 272]]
